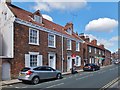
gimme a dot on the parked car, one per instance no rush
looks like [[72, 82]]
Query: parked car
[[91, 67], [35, 74], [117, 62]]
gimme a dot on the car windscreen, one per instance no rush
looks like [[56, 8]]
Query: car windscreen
[[25, 69]]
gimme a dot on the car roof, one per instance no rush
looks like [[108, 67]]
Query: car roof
[[36, 67]]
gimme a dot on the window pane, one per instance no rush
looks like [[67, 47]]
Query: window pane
[[33, 36], [68, 44], [33, 60], [77, 46], [51, 41]]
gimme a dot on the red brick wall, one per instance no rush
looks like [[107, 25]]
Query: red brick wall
[[21, 47], [107, 57]]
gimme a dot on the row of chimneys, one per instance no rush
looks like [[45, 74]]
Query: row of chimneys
[[87, 39]]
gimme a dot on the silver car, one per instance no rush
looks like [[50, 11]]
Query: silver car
[[35, 74]]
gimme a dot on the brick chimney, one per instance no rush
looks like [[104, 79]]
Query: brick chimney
[[77, 33], [87, 39], [101, 45], [94, 42], [82, 36], [69, 25]]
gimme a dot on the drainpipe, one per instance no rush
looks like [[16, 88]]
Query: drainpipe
[[62, 53]]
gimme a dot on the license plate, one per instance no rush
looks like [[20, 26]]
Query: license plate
[[21, 74], [86, 67]]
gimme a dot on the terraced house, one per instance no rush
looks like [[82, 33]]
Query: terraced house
[[94, 53], [30, 40]]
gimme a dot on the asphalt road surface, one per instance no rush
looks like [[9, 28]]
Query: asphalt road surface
[[96, 79]]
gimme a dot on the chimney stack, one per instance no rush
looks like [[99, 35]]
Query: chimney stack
[[87, 39], [69, 25], [94, 42], [76, 33], [101, 45], [82, 36]]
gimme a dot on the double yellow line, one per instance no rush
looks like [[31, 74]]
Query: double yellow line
[[110, 83]]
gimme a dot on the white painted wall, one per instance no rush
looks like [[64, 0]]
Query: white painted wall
[[7, 30]]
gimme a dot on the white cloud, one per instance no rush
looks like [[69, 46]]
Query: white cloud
[[45, 5], [115, 38], [107, 43], [102, 25], [47, 17]]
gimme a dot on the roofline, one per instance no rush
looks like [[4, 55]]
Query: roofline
[[17, 20]]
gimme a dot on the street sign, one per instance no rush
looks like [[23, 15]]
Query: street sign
[[73, 55]]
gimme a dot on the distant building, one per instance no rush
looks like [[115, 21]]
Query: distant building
[[93, 53], [116, 55]]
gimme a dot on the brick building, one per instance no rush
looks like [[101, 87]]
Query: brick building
[[30, 40], [94, 53], [116, 55], [108, 59]]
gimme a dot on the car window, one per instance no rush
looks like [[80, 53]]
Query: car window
[[53, 69], [48, 69], [25, 69], [39, 69], [36, 69], [87, 64], [44, 69]]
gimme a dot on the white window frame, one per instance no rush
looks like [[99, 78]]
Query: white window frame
[[90, 49], [79, 61], [77, 47], [103, 53], [95, 50], [69, 31], [99, 52], [32, 61], [70, 42], [54, 45], [90, 60], [27, 59], [38, 18], [37, 37]]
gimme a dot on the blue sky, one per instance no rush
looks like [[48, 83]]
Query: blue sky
[[99, 20]]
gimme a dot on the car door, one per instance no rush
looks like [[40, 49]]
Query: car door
[[51, 72], [45, 73], [40, 72]]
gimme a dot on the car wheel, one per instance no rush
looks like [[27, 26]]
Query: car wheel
[[59, 76], [35, 80]]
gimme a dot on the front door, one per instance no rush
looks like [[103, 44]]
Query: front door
[[69, 63], [52, 60]]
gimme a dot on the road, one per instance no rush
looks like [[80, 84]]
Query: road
[[96, 79]]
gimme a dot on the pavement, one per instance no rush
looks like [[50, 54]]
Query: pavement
[[15, 81]]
